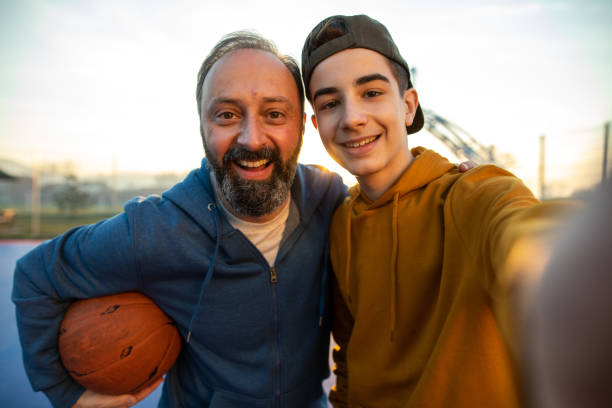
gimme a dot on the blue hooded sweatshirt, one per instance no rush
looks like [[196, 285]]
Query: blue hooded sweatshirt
[[255, 333]]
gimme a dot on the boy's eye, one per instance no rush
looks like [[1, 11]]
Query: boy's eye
[[328, 105], [372, 93]]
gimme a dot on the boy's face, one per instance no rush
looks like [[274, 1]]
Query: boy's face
[[361, 114]]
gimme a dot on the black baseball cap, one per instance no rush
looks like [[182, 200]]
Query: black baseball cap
[[361, 32]]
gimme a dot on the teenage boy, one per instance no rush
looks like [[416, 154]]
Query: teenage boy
[[425, 258]]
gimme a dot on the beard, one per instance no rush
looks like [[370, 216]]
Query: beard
[[254, 198]]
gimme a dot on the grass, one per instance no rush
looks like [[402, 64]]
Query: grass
[[52, 223]]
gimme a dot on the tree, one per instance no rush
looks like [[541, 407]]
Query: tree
[[71, 198]]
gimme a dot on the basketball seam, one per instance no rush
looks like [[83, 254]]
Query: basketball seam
[[133, 345], [160, 361], [87, 316]]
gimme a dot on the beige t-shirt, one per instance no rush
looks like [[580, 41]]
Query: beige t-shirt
[[266, 236]]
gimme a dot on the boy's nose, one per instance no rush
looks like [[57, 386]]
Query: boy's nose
[[354, 116]]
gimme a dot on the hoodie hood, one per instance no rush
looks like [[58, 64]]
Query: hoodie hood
[[307, 192], [193, 195], [426, 166]]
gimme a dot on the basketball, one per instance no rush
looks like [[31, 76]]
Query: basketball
[[117, 344]]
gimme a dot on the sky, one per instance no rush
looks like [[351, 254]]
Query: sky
[[111, 84]]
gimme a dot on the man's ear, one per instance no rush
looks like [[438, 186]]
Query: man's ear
[[411, 100], [314, 121], [304, 124]]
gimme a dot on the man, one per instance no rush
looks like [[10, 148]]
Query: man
[[427, 261], [235, 254]]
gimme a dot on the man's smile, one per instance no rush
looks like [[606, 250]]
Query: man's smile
[[252, 164], [259, 169]]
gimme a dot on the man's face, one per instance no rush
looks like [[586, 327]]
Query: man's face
[[360, 113], [252, 126]]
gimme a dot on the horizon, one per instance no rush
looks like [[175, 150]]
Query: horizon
[[110, 86]]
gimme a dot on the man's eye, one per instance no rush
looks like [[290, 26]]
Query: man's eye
[[226, 117], [372, 93], [275, 115]]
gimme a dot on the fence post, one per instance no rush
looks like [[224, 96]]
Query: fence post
[[604, 171], [542, 167], [35, 220]]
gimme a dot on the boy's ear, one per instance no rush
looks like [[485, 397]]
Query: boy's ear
[[304, 124], [411, 99], [314, 121]]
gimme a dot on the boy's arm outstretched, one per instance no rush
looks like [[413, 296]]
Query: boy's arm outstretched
[[504, 224]]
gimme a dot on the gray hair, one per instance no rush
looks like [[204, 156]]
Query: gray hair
[[246, 40]]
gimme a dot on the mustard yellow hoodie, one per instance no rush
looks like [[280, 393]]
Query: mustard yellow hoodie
[[420, 293]]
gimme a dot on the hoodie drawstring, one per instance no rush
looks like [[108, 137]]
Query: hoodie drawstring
[[394, 254], [347, 271], [213, 209]]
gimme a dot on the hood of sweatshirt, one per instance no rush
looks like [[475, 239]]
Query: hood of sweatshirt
[[426, 166], [195, 193]]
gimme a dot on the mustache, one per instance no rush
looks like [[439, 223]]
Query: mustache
[[240, 153]]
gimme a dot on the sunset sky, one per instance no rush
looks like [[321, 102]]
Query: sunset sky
[[94, 82]]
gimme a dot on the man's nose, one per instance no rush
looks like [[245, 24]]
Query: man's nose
[[252, 136], [354, 115]]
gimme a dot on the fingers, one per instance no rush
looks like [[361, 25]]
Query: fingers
[[140, 395], [91, 399], [467, 165], [125, 401]]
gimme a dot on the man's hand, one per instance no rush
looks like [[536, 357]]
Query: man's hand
[[91, 399], [467, 165]]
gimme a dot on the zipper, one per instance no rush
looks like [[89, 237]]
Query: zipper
[[277, 362]]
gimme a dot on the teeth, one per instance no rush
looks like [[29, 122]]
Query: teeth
[[246, 163], [361, 142]]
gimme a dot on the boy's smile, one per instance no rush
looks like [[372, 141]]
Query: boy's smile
[[362, 116], [361, 142]]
